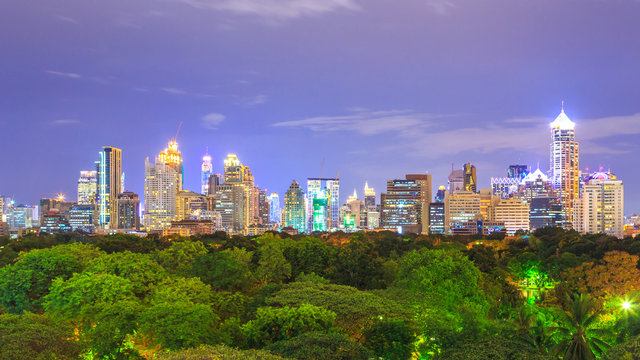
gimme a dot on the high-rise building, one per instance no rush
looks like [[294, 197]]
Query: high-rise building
[[161, 182], [206, 172], [172, 157], [264, 207], [240, 189], [513, 212], [461, 207], [357, 211], [437, 218], [535, 185], [109, 171], [517, 171], [59, 204], [2, 218], [274, 201], [369, 197], [128, 205], [21, 216], [87, 187], [455, 180], [440, 194], [601, 208], [504, 187], [329, 190], [565, 173], [82, 218], [545, 212], [470, 180], [214, 181], [293, 213], [54, 222], [188, 203], [405, 205]]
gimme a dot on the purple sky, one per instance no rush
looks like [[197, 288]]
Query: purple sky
[[379, 88]]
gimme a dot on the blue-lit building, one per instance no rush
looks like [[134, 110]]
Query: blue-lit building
[[275, 211], [517, 171], [54, 222], [477, 228], [109, 170], [82, 218]]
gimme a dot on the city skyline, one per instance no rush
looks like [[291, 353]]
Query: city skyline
[[370, 87]]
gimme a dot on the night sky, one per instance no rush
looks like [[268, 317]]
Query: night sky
[[379, 88]]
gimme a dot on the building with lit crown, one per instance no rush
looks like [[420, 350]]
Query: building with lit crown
[[601, 208], [206, 170], [172, 157], [161, 182], [565, 173]]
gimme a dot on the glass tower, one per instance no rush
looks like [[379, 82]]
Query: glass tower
[[206, 172], [109, 171], [565, 173]]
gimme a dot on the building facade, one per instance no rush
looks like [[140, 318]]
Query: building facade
[[128, 206], [328, 190], [565, 173], [513, 213], [405, 205], [161, 182], [294, 211], [109, 172], [87, 187], [206, 170], [601, 208]]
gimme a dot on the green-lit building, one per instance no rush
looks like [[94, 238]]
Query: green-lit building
[[293, 213]]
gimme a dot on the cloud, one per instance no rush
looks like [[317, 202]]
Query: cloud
[[441, 6], [67, 19], [64, 122], [253, 101], [174, 91], [367, 122], [212, 120], [64, 74], [276, 9]]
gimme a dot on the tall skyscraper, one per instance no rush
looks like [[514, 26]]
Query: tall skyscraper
[[328, 190], [239, 185], [455, 180], [601, 208], [87, 187], [82, 218], [461, 207], [274, 201], [437, 217], [21, 216], [565, 173], [109, 171], [369, 197], [405, 205], [172, 157], [206, 172], [264, 207], [161, 182], [293, 213], [470, 178]]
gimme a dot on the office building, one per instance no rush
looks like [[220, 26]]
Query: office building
[[327, 190], [437, 218], [293, 212], [172, 157], [109, 172], [504, 187], [275, 211], [601, 208], [54, 222], [455, 180], [565, 174], [470, 180], [206, 170], [83, 218], [128, 209], [21, 216], [545, 212], [461, 207], [405, 205], [187, 203], [59, 204], [264, 207], [513, 213], [161, 182], [87, 187]]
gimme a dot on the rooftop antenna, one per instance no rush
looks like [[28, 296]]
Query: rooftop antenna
[[177, 132], [562, 105]]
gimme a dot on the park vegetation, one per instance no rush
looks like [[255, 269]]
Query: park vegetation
[[552, 294]]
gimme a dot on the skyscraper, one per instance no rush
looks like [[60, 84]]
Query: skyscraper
[[87, 187], [565, 174], [405, 205], [470, 182], [517, 171], [293, 213], [109, 171], [601, 208], [206, 172], [513, 212], [172, 157], [369, 197], [461, 207], [239, 185], [274, 201], [328, 189], [160, 189]]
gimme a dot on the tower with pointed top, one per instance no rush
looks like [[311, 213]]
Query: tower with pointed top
[[172, 157], [565, 173], [207, 171]]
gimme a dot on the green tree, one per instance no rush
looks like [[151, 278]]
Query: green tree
[[217, 352], [178, 258], [320, 346], [628, 350], [37, 337], [276, 324], [273, 266], [140, 269], [493, 348], [580, 339], [221, 271], [390, 339]]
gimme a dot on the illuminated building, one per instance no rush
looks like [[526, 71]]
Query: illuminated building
[[369, 197], [487, 202], [128, 206], [545, 212], [440, 194], [370, 207], [405, 205], [206, 171], [54, 222], [214, 181], [437, 218], [192, 227], [353, 214], [87, 187], [160, 190], [172, 157], [461, 207], [373, 220], [478, 227], [455, 180], [565, 174], [323, 188], [2, 218], [21, 216], [320, 213], [504, 187], [240, 190], [517, 171], [187, 202], [601, 208], [274, 201], [513, 212], [82, 218], [470, 180], [293, 213], [109, 171], [264, 207], [58, 204], [535, 185], [225, 206]]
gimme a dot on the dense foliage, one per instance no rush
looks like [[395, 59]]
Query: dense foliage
[[553, 294]]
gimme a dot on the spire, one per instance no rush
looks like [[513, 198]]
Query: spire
[[355, 195], [562, 122]]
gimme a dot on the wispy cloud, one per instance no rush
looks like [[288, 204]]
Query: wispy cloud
[[67, 19], [276, 9], [64, 122], [253, 100], [174, 91], [69, 75], [441, 6], [367, 122], [212, 120]]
